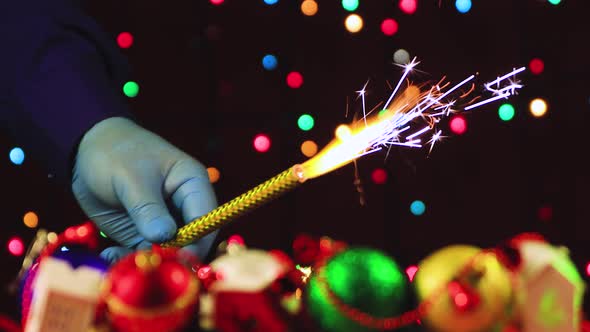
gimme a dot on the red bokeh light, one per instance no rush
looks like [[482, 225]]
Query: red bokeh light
[[411, 272], [458, 125], [125, 40], [16, 246], [294, 80], [408, 6], [389, 27], [216, 2], [261, 143], [588, 269], [536, 66], [379, 176], [545, 213], [236, 239]]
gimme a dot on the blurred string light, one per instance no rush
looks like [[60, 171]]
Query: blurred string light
[[538, 107], [401, 57], [463, 6], [458, 125], [536, 66], [379, 176], [125, 40], [554, 2], [294, 80], [417, 208], [588, 269], [545, 213], [389, 27], [305, 122], [309, 7], [216, 2], [353, 23], [270, 62], [506, 112], [271, 2], [408, 6], [30, 219], [213, 174], [102, 234], [261, 143], [16, 246], [131, 89], [17, 156], [52, 237], [350, 5], [309, 148], [411, 272]]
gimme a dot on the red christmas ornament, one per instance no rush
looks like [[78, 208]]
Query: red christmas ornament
[[150, 291]]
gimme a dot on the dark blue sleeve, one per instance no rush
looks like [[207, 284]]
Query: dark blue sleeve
[[59, 75]]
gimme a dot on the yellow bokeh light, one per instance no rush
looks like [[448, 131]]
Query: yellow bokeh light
[[343, 132], [31, 219], [353, 23], [538, 107], [213, 174], [309, 148], [52, 237], [309, 7]]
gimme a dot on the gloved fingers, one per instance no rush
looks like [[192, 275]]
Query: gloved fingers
[[114, 254], [201, 248], [117, 225], [146, 207], [194, 196]]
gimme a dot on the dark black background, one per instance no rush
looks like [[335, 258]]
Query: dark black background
[[204, 89]]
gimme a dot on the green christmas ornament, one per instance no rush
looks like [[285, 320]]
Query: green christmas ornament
[[355, 289]]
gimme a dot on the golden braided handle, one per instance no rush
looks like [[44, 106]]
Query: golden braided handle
[[226, 213]]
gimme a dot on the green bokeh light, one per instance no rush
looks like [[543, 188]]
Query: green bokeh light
[[554, 2], [351, 5], [103, 234], [506, 112], [131, 89], [305, 122]]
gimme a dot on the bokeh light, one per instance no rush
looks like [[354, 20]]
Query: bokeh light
[[294, 80], [458, 125], [411, 272], [271, 2], [389, 27], [353, 23], [554, 2], [270, 62], [216, 2], [309, 7], [305, 122], [102, 234], [16, 246], [408, 6], [417, 208], [545, 213], [536, 66], [506, 112], [401, 57], [588, 269], [463, 6], [350, 5], [125, 40], [17, 156], [236, 239], [309, 148], [214, 174], [30, 219], [538, 107], [131, 89], [379, 176], [52, 237], [261, 143]]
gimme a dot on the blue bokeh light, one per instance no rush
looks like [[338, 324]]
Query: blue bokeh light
[[417, 208], [270, 62], [17, 156], [270, 2], [463, 6]]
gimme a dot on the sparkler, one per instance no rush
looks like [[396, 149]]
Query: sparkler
[[404, 120]]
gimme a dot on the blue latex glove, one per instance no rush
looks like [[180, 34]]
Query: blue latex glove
[[125, 177]]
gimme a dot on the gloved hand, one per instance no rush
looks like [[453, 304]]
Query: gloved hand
[[125, 176]]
